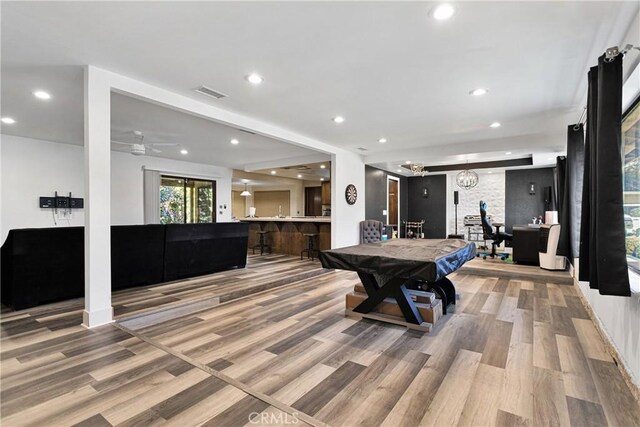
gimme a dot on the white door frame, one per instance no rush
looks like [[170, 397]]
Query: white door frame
[[397, 179]]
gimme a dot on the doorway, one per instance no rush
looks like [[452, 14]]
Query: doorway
[[393, 201], [313, 201], [186, 200]]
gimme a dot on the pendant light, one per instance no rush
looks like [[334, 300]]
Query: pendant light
[[467, 179], [245, 193]]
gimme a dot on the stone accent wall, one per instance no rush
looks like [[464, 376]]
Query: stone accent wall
[[490, 188]]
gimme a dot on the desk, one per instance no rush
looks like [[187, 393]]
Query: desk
[[525, 244], [387, 268]]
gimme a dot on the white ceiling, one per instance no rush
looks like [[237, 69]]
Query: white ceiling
[[206, 141], [309, 171], [61, 120], [385, 66]]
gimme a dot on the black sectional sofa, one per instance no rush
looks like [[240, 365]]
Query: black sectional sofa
[[44, 265]]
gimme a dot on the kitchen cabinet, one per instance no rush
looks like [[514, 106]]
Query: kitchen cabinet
[[326, 193]]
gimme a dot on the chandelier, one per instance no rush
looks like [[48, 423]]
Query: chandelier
[[418, 169], [467, 179]]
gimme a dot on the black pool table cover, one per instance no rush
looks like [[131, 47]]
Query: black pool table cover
[[428, 260]]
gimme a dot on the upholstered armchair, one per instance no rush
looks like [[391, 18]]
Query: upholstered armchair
[[370, 231]]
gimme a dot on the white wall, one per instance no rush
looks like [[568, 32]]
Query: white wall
[[127, 184], [619, 318], [490, 188], [32, 168], [346, 168]]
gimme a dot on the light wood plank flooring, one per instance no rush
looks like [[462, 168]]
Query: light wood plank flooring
[[513, 352], [488, 267]]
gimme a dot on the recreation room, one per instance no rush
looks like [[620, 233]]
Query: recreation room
[[320, 213]]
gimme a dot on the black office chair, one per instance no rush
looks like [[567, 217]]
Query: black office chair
[[496, 236]]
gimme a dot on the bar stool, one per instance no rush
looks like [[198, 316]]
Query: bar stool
[[261, 243], [310, 248]]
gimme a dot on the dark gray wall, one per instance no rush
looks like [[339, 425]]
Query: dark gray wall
[[432, 209], [375, 188], [520, 206]]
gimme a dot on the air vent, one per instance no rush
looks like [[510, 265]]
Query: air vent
[[210, 92], [301, 168], [247, 131], [362, 149]]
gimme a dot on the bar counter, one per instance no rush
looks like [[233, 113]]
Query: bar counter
[[287, 234]]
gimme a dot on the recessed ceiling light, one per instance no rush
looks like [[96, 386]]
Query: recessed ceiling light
[[321, 179], [183, 151], [550, 158], [479, 91], [8, 120], [234, 141], [399, 170], [443, 12], [322, 166], [382, 140], [40, 94], [338, 119], [490, 172], [495, 125], [273, 172], [254, 79], [299, 176], [507, 153], [407, 162]]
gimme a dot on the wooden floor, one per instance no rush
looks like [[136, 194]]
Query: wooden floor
[[514, 352], [490, 267]]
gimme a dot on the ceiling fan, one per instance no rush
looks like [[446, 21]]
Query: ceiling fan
[[139, 148]]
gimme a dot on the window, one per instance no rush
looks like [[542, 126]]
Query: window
[[186, 200], [631, 174]]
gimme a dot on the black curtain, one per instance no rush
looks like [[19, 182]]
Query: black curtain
[[603, 260], [587, 251], [553, 204], [570, 170], [564, 246]]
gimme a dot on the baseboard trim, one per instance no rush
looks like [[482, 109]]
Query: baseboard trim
[[93, 319], [610, 346]]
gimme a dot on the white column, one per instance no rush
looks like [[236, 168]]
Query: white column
[[346, 168], [97, 206]]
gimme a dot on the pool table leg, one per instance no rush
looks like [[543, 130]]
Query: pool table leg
[[394, 288], [446, 291]]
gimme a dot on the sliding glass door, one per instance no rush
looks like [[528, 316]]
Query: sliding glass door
[[186, 200]]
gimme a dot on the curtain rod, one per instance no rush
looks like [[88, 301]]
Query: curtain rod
[[612, 52], [609, 55]]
